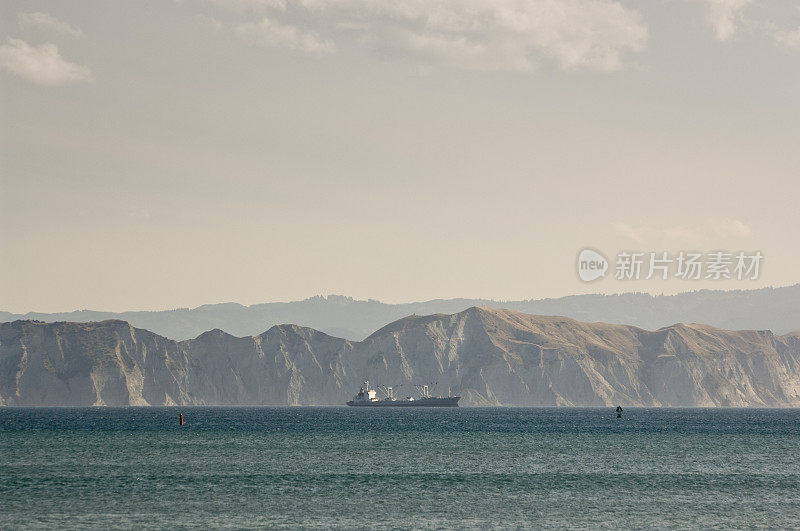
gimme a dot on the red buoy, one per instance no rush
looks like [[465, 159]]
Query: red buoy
[[180, 418]]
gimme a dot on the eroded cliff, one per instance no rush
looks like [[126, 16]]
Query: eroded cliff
[[488, 356]]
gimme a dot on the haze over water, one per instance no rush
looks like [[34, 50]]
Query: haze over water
[[342, 467]]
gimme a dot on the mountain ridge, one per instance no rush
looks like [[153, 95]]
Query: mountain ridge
[[773, 308]]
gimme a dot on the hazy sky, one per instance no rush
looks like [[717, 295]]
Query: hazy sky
[[169, 154]]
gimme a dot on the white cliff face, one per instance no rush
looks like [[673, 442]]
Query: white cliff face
[[487, 356], [107, 363]]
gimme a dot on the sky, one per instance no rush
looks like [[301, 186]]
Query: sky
[[157, 155]]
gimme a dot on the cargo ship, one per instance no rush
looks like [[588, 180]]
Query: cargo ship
[[368, 397]]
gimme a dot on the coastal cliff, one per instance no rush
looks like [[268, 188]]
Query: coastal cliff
[[487, 356]]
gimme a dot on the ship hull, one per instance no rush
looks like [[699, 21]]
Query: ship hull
[[449, 401]]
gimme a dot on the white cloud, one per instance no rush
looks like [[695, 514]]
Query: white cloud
[[788, 40], [636, 234], [724, 16], [466, 34], [275, 34], [712, 229], [42, 64], [728, 228], [731, 228], [49, 22], [727, 17], [456, 51]]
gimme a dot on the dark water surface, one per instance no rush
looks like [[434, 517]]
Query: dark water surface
[[386, 468]]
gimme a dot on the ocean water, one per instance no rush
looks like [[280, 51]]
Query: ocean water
[[399, 468]]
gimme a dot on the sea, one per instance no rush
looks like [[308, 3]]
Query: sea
[[398, 468]]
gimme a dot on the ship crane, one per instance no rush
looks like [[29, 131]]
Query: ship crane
[[389, 391], [427, 389]]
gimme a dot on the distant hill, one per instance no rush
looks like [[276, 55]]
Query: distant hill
[[487, 356], [776, 309]]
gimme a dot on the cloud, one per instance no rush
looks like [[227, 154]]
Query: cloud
[[728, 228], [776, 21], [724, 16], [465, 34], [788, 40], [715, 228], [636, 234], [49, 22], [731, 228], [277, 35], [454, 51], [42, 64]]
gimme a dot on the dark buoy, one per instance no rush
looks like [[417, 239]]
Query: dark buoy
[[619, 412], [180, 419]]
